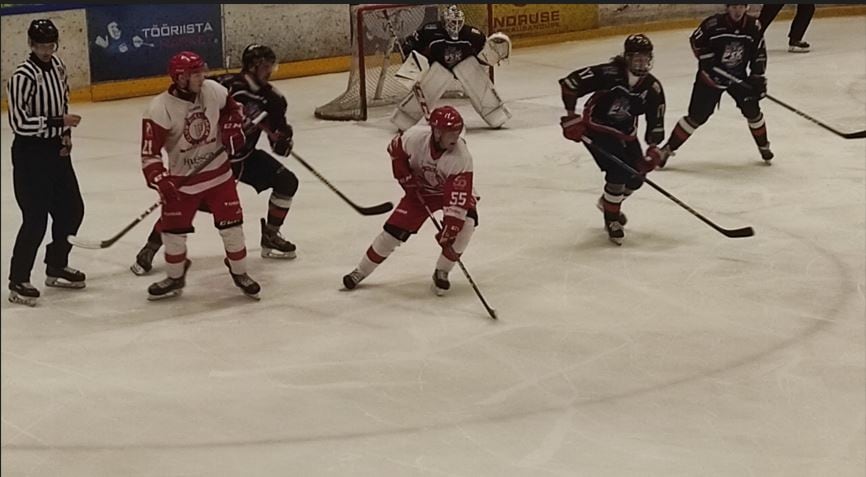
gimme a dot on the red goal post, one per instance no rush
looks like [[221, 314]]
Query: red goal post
[[376, 56]]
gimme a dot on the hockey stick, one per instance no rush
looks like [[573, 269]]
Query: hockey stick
[[374, 210], [94, 244], [731, 233], [490, 310], [851, 135]]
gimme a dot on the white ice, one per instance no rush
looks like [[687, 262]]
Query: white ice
[[681, 353]]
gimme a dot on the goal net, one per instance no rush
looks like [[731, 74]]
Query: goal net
[[376, 53]]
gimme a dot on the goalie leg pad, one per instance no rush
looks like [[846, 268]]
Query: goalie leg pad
[[433, 84], [481, 93]]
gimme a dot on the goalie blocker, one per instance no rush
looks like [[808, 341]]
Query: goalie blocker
[[456, 51]]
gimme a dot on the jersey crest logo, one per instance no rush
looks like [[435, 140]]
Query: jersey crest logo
[[452, 55], [620, 109], [196, 128], [733, 55]]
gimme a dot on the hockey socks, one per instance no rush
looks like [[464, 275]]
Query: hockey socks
[[759, 133]]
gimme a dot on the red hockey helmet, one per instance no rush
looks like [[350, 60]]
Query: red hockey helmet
[[185, 62], [446, 118]]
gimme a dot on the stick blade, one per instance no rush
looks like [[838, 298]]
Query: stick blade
[[82, 243], [855, 135], [739, 233], [380, 209]]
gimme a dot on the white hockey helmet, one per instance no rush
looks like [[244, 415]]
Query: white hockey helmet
[[454, 20]]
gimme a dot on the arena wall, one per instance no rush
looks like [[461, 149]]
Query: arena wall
[[312, 39]]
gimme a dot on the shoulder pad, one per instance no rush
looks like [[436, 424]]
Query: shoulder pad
[[711, 22], [609, 69], [430, 26], [475, 31]]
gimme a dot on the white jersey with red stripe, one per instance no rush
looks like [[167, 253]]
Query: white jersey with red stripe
[[189, 131], [447, 173]]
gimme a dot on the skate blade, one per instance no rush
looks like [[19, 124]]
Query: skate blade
[[170, 294], [63, 283], [139, 270], [254, 296], [616, 240], [273, 253], [22, 300], [439, 291]]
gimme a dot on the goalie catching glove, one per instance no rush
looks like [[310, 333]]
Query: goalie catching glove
[[496, 48]]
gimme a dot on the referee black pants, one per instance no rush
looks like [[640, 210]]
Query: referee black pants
[[45, 184], [802, 18]]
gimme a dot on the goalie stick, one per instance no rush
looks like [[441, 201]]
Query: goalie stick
[[99, 244], [851, 135], [373, 210], [730, 233]]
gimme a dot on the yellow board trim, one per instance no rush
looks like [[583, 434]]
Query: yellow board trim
[[150, 86]]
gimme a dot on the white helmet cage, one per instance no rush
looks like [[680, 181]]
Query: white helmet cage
[[454, 20]]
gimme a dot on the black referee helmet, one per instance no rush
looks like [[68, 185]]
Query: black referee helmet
[[42, 31]]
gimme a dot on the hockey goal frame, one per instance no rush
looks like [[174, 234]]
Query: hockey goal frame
[[359, 58]]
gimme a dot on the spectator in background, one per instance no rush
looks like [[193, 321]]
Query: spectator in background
[[798, 26]]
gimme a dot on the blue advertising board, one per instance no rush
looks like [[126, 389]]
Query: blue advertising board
[[135, 41]]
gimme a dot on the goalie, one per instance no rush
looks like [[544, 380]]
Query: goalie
[[441, 51]]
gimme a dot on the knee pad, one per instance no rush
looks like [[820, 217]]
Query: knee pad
[[397, 233], [285, 183]]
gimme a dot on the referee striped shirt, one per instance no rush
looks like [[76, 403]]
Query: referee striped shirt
[[38, 98]]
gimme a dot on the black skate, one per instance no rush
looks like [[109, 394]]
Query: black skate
[[273, 244], [615, 232], [243, 281], [352, 280], [64, 277], [622, 219], [798, 47], [441, 285], [23, 293], [144, 260], [766, 153], [168, 287]]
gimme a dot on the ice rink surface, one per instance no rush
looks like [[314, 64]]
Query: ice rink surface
[[681, 353]]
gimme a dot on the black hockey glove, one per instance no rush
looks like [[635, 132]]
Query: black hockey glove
[[283, 142], [758, 84]]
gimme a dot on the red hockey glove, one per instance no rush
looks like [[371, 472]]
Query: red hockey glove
[[400, 165], [573, 127], [166, 187], [451, 226], [653, 157], [232, 132]]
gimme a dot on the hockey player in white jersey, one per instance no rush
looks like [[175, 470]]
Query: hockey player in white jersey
[[191, 121], [434, 168], [452, 50]]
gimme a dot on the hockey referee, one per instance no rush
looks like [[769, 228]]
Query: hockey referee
[[42, 174]]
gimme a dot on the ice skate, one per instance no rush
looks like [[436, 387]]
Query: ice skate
[[168, 287], [23, 293], [144, 260], [273, 244], [250, 287], [622, 219], [352, 280], [615, 232], [64, 277], [798, 47], [441, 285], [766, 154]]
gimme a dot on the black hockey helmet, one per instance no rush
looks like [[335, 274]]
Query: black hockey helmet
[[256, 54], [42, 31], [639, 54]]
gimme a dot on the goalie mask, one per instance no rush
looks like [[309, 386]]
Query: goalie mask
[[454, 20], [638, 54]]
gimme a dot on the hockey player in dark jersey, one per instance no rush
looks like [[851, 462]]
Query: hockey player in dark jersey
[[622, 90], [731, 42], [452, 50], [252, 166]]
